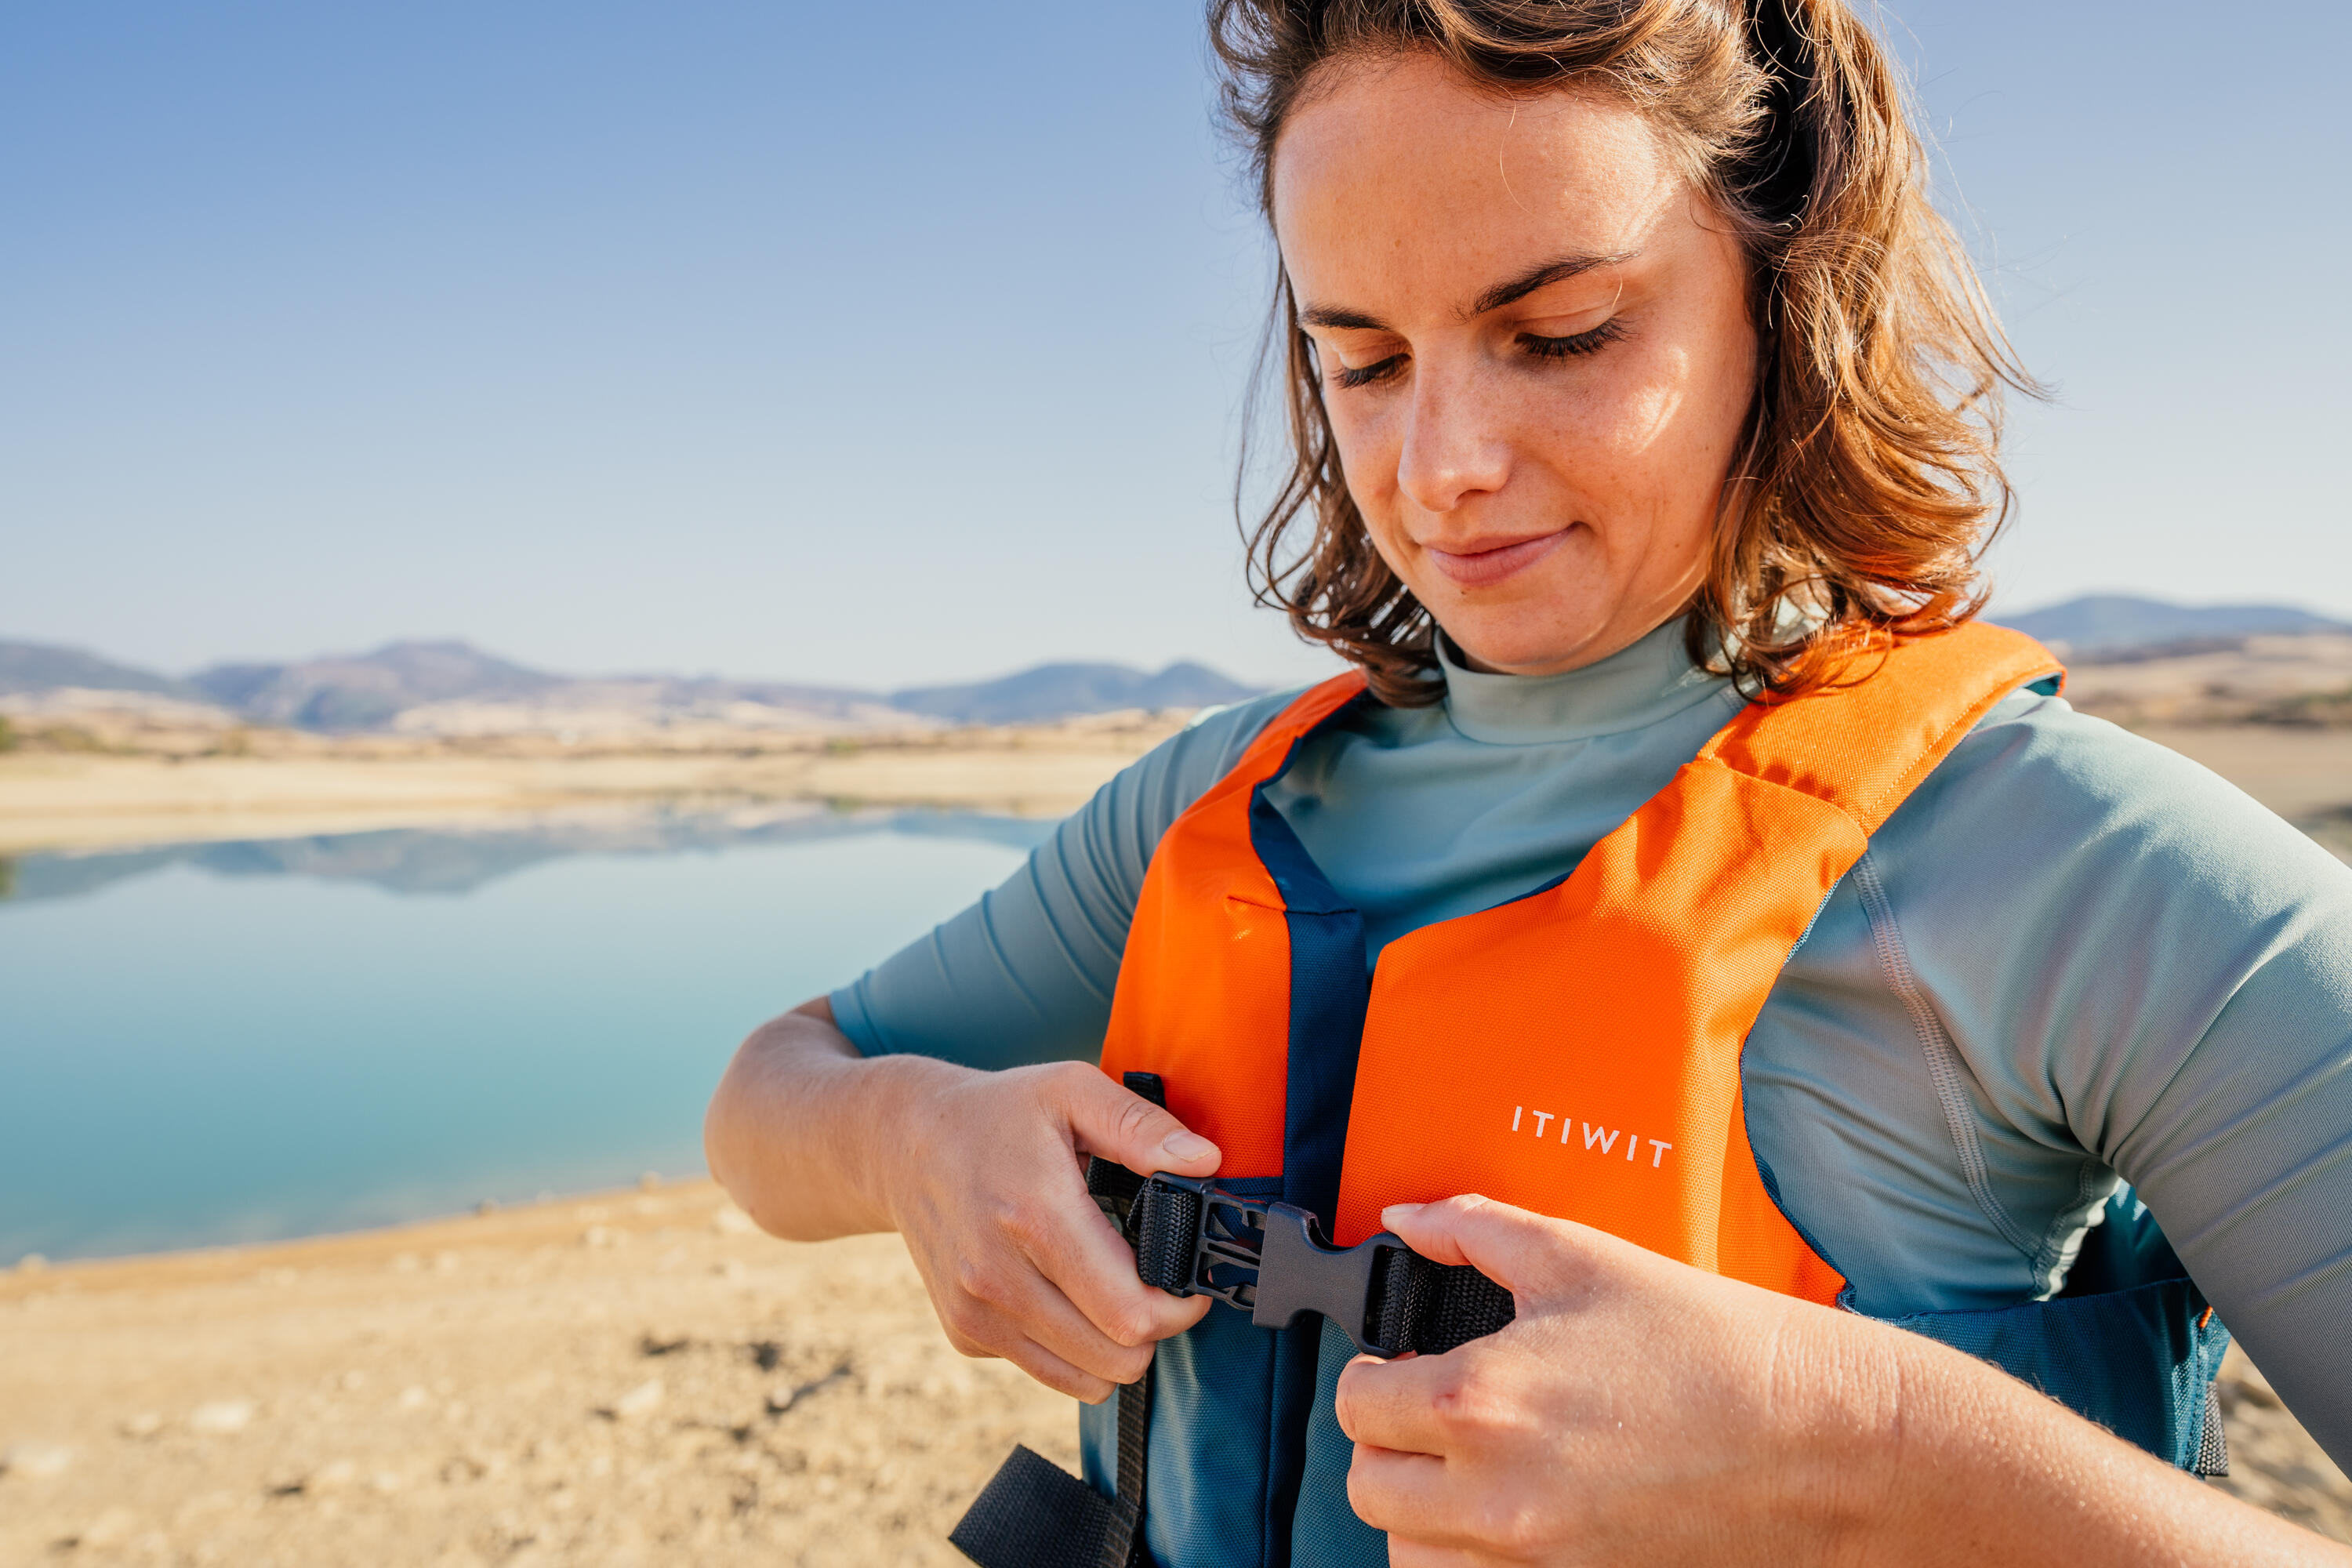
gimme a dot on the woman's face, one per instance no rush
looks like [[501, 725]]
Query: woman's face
[[1534, 349]]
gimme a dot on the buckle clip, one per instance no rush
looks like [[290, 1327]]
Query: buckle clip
[[1270, 1258]]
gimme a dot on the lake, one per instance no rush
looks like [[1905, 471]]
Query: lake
[[206, 1044]]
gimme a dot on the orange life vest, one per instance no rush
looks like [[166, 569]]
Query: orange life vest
[[1575, 1051]]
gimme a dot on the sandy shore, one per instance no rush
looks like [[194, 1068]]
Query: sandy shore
[[635, 1378], [52, 800]]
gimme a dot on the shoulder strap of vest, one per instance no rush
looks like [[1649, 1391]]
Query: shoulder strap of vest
[[1889, 714], [1310, 707]]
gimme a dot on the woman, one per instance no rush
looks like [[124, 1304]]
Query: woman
[[1644, 442]]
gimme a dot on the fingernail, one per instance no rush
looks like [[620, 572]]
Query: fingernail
[[1187, 1146], [1395, 1212]]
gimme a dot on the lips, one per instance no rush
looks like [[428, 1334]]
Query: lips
[[1483, 563]]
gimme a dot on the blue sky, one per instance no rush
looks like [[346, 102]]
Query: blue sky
[[875, 344]]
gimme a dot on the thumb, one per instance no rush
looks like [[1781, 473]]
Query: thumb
[[1509, 1245], [1119, 1124]]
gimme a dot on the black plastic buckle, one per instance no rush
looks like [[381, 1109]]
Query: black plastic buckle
[[1270, 1259]]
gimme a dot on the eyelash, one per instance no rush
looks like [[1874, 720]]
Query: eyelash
[[1584, 342], [1579, 344]]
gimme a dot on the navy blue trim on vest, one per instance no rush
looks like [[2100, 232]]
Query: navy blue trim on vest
[[2129, 1341], [1329, 994], [1330, 991]]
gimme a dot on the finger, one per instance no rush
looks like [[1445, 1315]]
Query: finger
[[1034, 1307], [1041, 1364], [1411, 1497], [1509, 1245], [1097, 1273], [1113, 1122], [1407, 1553], [1075, 1246], [1387, 1404], [994, 1297]]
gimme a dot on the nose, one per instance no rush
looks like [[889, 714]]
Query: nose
[[1454, 447]]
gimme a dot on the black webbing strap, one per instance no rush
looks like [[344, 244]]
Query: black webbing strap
[[1035, 1514], [1434, 1307]]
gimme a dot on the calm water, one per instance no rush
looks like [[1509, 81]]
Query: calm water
[[219, 1043]]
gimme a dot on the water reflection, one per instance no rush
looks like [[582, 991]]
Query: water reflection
[[460, 860], [235, 1042]]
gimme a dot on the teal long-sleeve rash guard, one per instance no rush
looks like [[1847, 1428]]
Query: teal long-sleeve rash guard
[[2071, 958]]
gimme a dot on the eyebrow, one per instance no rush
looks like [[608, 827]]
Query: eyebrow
[[1551, 272], [1505, 293]]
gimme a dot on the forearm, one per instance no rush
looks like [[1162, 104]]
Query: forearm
[[1974, 1467], [799, 1130]]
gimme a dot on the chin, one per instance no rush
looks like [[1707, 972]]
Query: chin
[[1524, 650]]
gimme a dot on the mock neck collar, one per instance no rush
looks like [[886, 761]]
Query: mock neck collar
[[1633, 688]]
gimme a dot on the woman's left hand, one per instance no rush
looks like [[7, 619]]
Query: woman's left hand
[[1639, 1410], [1636, 1410]]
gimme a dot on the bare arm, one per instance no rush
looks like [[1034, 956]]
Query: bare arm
[[786, 1134], [980, 1172], [1642, 1410]]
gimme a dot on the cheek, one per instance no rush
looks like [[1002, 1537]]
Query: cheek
[[1367, 439], [1651, 437]]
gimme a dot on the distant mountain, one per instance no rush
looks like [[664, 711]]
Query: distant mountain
[[26, 667], [2106, 623], [1060, 691], [450, 687], [367, 691]]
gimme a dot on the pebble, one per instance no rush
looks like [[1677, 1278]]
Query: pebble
[[414, 1399], [599, 1235], [36, 1458], [31, 1263], [732, 1221], [145, 1424], [220, 1417], [642, 1400]]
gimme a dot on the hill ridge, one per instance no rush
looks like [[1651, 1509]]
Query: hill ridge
[[448, 685]]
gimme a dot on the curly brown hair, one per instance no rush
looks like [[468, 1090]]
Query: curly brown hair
[[1867, 481]]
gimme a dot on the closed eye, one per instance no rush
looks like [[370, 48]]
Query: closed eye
[[1370, 375], [1589, 341]]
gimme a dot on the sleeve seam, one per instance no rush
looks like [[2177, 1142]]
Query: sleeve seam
[[1945, 1070]]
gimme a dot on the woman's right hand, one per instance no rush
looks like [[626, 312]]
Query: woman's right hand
[[993, 1202], [983, 1173]]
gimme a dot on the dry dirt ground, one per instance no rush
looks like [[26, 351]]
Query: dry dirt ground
[[636, 1378], [633, 1379]]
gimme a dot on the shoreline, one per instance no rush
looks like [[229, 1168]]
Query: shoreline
[[68, 803], [53, 801], [488, 1221]]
